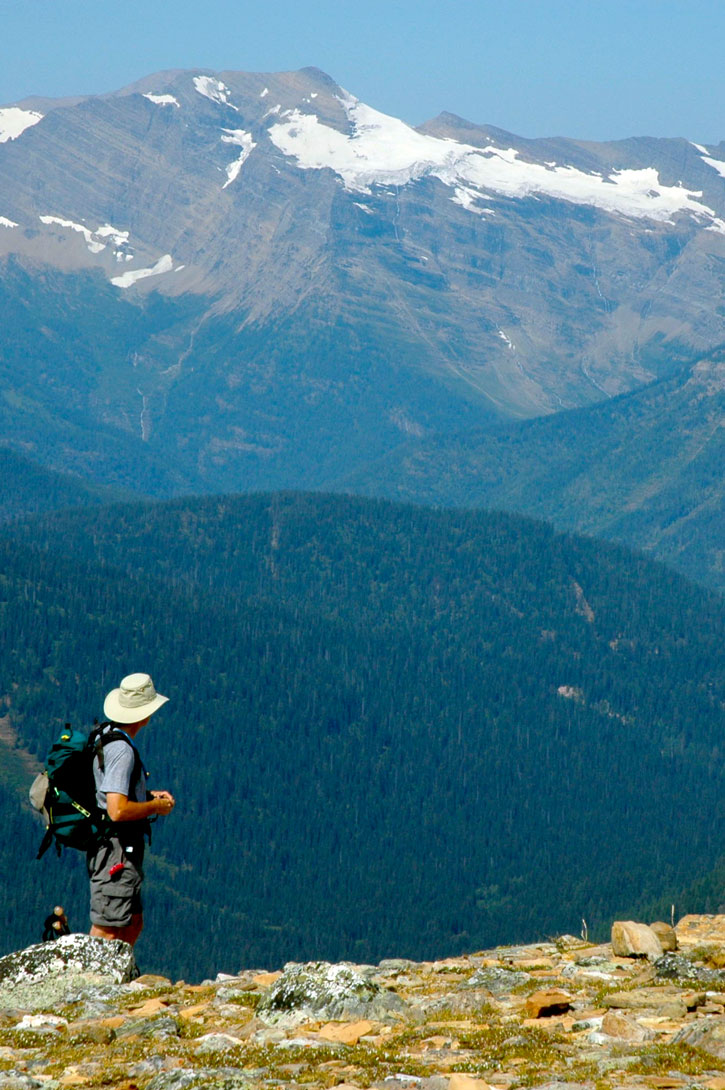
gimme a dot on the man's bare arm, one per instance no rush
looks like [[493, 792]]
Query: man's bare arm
[[121, 808]]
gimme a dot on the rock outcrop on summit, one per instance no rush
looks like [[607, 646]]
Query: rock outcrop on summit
[[564, 1014]]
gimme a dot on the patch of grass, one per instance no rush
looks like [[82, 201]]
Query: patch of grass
[[497, 1045], [484, 1012], [661, 1059], [251, 1000]]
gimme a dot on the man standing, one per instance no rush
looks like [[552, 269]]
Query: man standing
[[115, 868]]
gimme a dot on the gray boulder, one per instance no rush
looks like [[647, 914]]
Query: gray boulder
[[677, 967], [15, 1080], [706, 1034], [496, 981], [49, 973], [318, 990]]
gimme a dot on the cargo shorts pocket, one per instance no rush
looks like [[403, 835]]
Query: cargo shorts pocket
[[115, 886]]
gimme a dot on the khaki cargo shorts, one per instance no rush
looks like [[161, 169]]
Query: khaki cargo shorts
[[116, 878]]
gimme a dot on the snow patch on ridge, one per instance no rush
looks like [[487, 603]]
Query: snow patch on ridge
[[242, 140], [214, 90], [382, 150], [716, 164], [126, 280], [162, 100], [5, 222], [97, 240], [14, 121]]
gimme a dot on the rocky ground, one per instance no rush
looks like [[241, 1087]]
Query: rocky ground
[[565, 1014]]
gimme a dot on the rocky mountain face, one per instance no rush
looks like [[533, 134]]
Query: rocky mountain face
[[646, 1010], [231, 280]]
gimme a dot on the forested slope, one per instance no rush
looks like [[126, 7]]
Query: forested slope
[[27, 488], [391, 730], [646, 469]]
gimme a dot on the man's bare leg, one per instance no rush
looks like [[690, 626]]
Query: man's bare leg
[[128, 934]]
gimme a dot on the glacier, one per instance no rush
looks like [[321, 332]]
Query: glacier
[[383, 150]]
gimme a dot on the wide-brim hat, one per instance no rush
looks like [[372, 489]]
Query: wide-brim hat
[[135, 699]]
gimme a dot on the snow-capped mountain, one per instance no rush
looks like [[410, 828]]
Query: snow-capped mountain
[[266, 281]]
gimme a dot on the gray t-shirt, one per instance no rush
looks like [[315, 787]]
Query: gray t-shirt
[[118, 759]]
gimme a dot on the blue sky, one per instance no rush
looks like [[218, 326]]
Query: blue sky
[[598, 70]]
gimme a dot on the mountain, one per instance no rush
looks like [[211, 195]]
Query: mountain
[[646, 468], [391, 729], [228, 281]]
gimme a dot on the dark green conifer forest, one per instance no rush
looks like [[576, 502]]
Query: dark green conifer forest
[[391, 730]]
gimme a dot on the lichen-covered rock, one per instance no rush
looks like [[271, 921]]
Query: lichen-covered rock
[[50, 972], [158, 1029], [16, 1080], [497, 981], [707, 1035], [321, 991], [677, 967], [217, 1042], [213, 1078]]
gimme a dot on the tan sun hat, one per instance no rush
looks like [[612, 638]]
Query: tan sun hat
[[134, 700]]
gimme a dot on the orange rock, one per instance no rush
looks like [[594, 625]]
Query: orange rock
[[190, 1012], [700, 930], [346, 1033], [265, 980], [547, 1003], [461, 1081], [151, 1006], [634, 940], [616, 1024], [115, 1022]]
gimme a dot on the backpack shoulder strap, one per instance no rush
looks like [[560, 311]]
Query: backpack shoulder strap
[[106, 732]]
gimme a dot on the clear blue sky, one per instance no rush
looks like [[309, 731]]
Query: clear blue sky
[[595, 69]]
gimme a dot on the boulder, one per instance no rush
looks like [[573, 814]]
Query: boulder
[[15, 1080], [51, 972], [496, 981], [700, 930], [462, 1081], [707, 1034], [615, 1024], [666, 934], [546, 1004], [157, 1029], [346, 1033], [634, 940], [677, 967], [319, 991]]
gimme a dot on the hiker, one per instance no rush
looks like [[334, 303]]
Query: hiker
[[116, 867], [56, 925]]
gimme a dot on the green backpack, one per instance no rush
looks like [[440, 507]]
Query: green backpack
[[65, 792]]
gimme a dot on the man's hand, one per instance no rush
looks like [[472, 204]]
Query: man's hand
[[121, 808], [165, 800]]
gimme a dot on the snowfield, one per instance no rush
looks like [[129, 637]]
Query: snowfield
[[382, 150], [165, 264], [242, 140], [14, 121]]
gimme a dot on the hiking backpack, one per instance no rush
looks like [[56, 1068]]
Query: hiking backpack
[[65, 792]]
